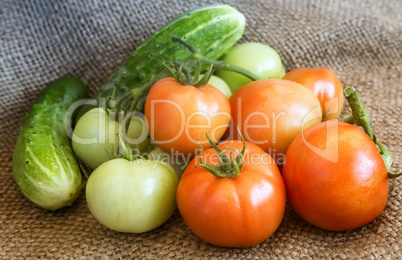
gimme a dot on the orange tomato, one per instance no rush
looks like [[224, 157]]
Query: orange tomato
[[271, 113], [325, 85], [335, 177], [179, 116], [233, 212]]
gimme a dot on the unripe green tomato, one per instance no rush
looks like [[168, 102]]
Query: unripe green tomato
[[219, 84], [258, 58], [95, 141], [132, 196], [137, 135], [94, 137]]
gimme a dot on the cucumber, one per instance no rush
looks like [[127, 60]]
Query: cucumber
[[212, 30], [43, 162]]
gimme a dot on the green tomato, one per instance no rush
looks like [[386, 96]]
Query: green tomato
[[137, 135], [94, 137], [132, 196], [258, 58], [219, 84]]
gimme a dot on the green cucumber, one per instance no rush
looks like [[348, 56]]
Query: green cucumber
[[212, 30], [43, 162]]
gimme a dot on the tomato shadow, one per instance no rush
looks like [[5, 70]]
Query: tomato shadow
[[294, 226]]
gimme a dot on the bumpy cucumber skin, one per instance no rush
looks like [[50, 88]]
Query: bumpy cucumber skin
[[44, 165], [212, 30]]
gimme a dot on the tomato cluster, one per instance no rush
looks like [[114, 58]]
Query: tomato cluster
[[280, 140]]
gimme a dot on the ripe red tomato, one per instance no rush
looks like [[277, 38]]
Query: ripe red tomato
[[335, 177], [325, 85], [233, 212], [271, 113], [179, 116]]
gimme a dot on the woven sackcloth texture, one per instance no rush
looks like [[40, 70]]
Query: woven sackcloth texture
[[42, 40]]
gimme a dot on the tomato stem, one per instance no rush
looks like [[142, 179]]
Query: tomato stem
[[388, 160], [137, 93], [228, 167], [84, 171], [182, 72], [324, 115], [215, 63], [361, 118], [204, 80], [348, 120], [359, 113], [223, 65], [184, 43], [126, 151]]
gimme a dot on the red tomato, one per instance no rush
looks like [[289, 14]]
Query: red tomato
[[325, 85], [178, 116], [271, 113], [335, 177], [233, 212]]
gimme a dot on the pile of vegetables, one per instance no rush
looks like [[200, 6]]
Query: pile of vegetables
[[227, 141]]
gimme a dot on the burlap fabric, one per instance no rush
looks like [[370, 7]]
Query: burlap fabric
[[43, 40]]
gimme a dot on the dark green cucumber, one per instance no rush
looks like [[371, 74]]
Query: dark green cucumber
[[212, 30], [44, 165]]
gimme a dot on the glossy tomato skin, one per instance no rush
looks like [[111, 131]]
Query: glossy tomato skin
[[258, 58], [271, 113], [178, 116], [233, 212], [325, 85], [342, 185]]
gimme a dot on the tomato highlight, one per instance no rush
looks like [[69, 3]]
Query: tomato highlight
[[325, 85]]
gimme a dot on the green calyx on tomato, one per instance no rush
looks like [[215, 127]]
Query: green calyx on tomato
[[233, 212], [185, 102], [361, 118], [183, 74], [228, 167]]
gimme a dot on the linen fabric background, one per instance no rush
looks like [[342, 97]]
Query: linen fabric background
[[43, 40]]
